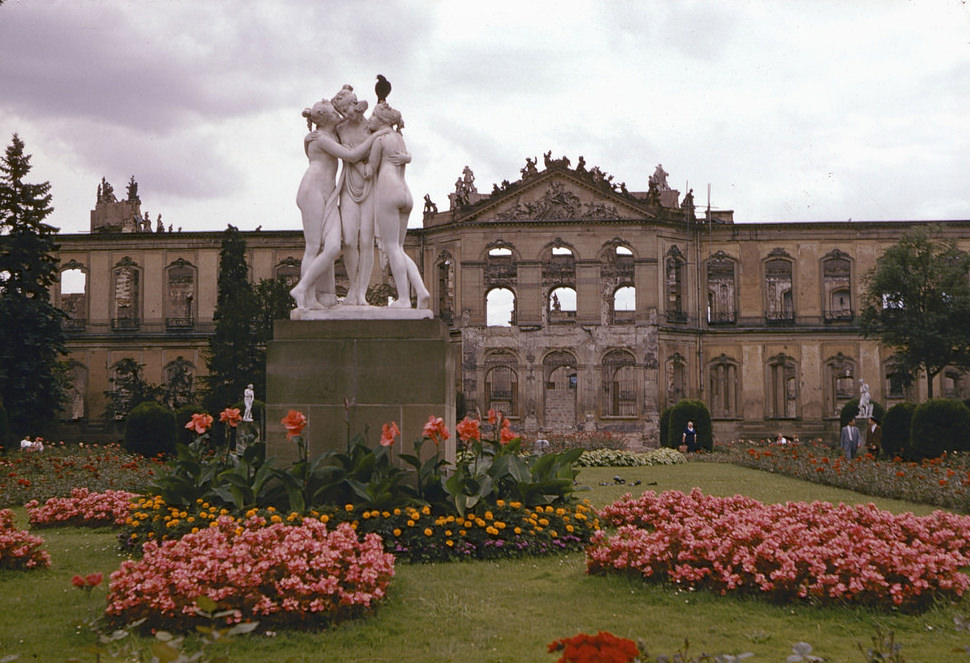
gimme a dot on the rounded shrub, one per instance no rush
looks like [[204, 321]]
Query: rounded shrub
[[851, 409], [150, 430], [895, 429], [691, 410], [938, 425]]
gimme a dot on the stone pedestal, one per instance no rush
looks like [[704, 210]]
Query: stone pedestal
[[388, 370]]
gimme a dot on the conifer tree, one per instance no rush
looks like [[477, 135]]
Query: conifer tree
[[31, 338], [234, 358]]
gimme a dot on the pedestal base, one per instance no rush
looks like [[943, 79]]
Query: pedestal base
[[387, 370]]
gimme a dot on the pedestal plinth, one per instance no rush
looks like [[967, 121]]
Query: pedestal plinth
[[388, 370]]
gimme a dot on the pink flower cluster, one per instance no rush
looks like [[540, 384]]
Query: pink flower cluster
[[276, 574], [797, 550], [112, 507], [19, 549]]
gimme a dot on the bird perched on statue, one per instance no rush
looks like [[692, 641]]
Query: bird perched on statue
[[382, 88]]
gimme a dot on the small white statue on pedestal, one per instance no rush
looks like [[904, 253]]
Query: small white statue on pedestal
[[248, 398]]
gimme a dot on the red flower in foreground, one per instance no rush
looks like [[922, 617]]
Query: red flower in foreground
[[604, 647], [294, 422], [388, 433], [436, 429], [200, 423], [468, 430], [230, 416], [493, 416], [93, 579], [506, 435], [78, 581]]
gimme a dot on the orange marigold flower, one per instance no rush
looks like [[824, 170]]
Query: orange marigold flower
[[295, 422], [388, 433]]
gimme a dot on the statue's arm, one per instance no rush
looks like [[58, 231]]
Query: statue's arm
[[335, 149], [376, 150]]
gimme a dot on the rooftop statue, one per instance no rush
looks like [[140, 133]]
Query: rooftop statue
[[659, 178]]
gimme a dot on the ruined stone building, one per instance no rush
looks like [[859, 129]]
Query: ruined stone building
[[574, 304]]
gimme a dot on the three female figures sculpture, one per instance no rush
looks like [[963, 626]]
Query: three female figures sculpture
[[370, 201]]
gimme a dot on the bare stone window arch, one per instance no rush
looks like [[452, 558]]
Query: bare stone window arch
[[560, 386], [288, 271], [781, 399], [837, 287], [125, 295], [675, 287], [620, 392], [840, 384], [180, 279], [624, 305], [723, 379], [779, 297], [896, 381], [502, 383], [445, 270], [500, 307], [75, 408], [676, 372], [73, 296], [561, 305], [721, 290], [617, 282]]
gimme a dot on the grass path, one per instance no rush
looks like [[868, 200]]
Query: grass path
[[508, 611]]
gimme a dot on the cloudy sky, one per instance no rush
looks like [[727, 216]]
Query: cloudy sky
[[790, 110]]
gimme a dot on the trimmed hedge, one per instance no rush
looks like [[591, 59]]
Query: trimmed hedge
[[895, 429], [691, 410], [938, 425], [665, 429], [150, 430]]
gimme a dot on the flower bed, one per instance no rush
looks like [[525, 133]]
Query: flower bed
[[943, 481], [274, 573], [620, 458], [792, 551], [83, 507], [507, 529], [19, 549]]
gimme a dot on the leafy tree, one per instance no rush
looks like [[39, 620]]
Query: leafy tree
[[917, 302], [32, 377], [273, 302], [129, 388], [234, 358]]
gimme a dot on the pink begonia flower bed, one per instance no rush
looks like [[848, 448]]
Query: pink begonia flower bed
[[816, 551], [284, 574], [112, 507], [19, 549]]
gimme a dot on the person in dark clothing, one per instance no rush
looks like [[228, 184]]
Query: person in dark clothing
[[690, 437]]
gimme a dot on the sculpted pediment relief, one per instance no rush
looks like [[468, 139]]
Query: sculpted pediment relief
[[556, 197]]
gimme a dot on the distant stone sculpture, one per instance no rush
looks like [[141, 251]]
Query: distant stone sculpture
[[106, 192], [248, 397], [159, 228], [317, 199], [468, 180], [393, 203], [530, 168], [688, 205], [133, 191], [430, 209], [865, 406], [659, 178]]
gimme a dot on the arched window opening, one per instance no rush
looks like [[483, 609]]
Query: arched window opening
[[623, 251], [782, 384], [180, 277], [73, 297], [125, 300], [721, 290], [676, 379], [619, 385], [560, 386], [178, 388], [74, 407], [779, 304], [837, 287], [446, 290], [500, 251], [500, 308], [502, 390], [723, 373], [840, 384], [676, 311], [624, 304], [288, 271], [561, 251], [562, 305]]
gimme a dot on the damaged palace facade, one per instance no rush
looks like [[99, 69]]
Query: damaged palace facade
[[573, 303]]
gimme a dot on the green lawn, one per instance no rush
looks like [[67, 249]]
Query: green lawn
[[508, 611]]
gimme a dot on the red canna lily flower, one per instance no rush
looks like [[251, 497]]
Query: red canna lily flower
[[388, 433], [506, 435], [468, 430], [200, 423], [493, 416], [230, 416], [436, 429], [295, 422]]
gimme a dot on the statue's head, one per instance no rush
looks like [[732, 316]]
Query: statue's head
[[385, 116], [346, 103], [322, 114]]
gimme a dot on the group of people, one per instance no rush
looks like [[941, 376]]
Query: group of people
[[851, 438], [369, 202], [37, 444]]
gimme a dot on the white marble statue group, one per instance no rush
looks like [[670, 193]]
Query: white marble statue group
[[370, 201]]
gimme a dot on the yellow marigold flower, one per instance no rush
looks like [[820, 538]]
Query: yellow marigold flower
[[480, 522], [447, 532], [450, 543], [190, 519], [426, 510], [199, 501], [538, 529], [195, 530], [570, 528], [488, 515], [182, 514], [324, 518], [386, 514], [517, 530], [515, 505], [239, 530], [134, 535], [500, 502], [366, 515], [151, 534], [462, 532], [397, 532], [428, 531], [560, 511], [491, 530], [499, 524], [275, 519], [544, 522], [223, 512], [271, 509], [410, 523], [213, 524], [348, 507], [554, 533], [580, 516], [354, 524], [397, 512]]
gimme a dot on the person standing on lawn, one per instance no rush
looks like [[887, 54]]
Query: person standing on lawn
[[851, 440], [689, 437], [874, 437]]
